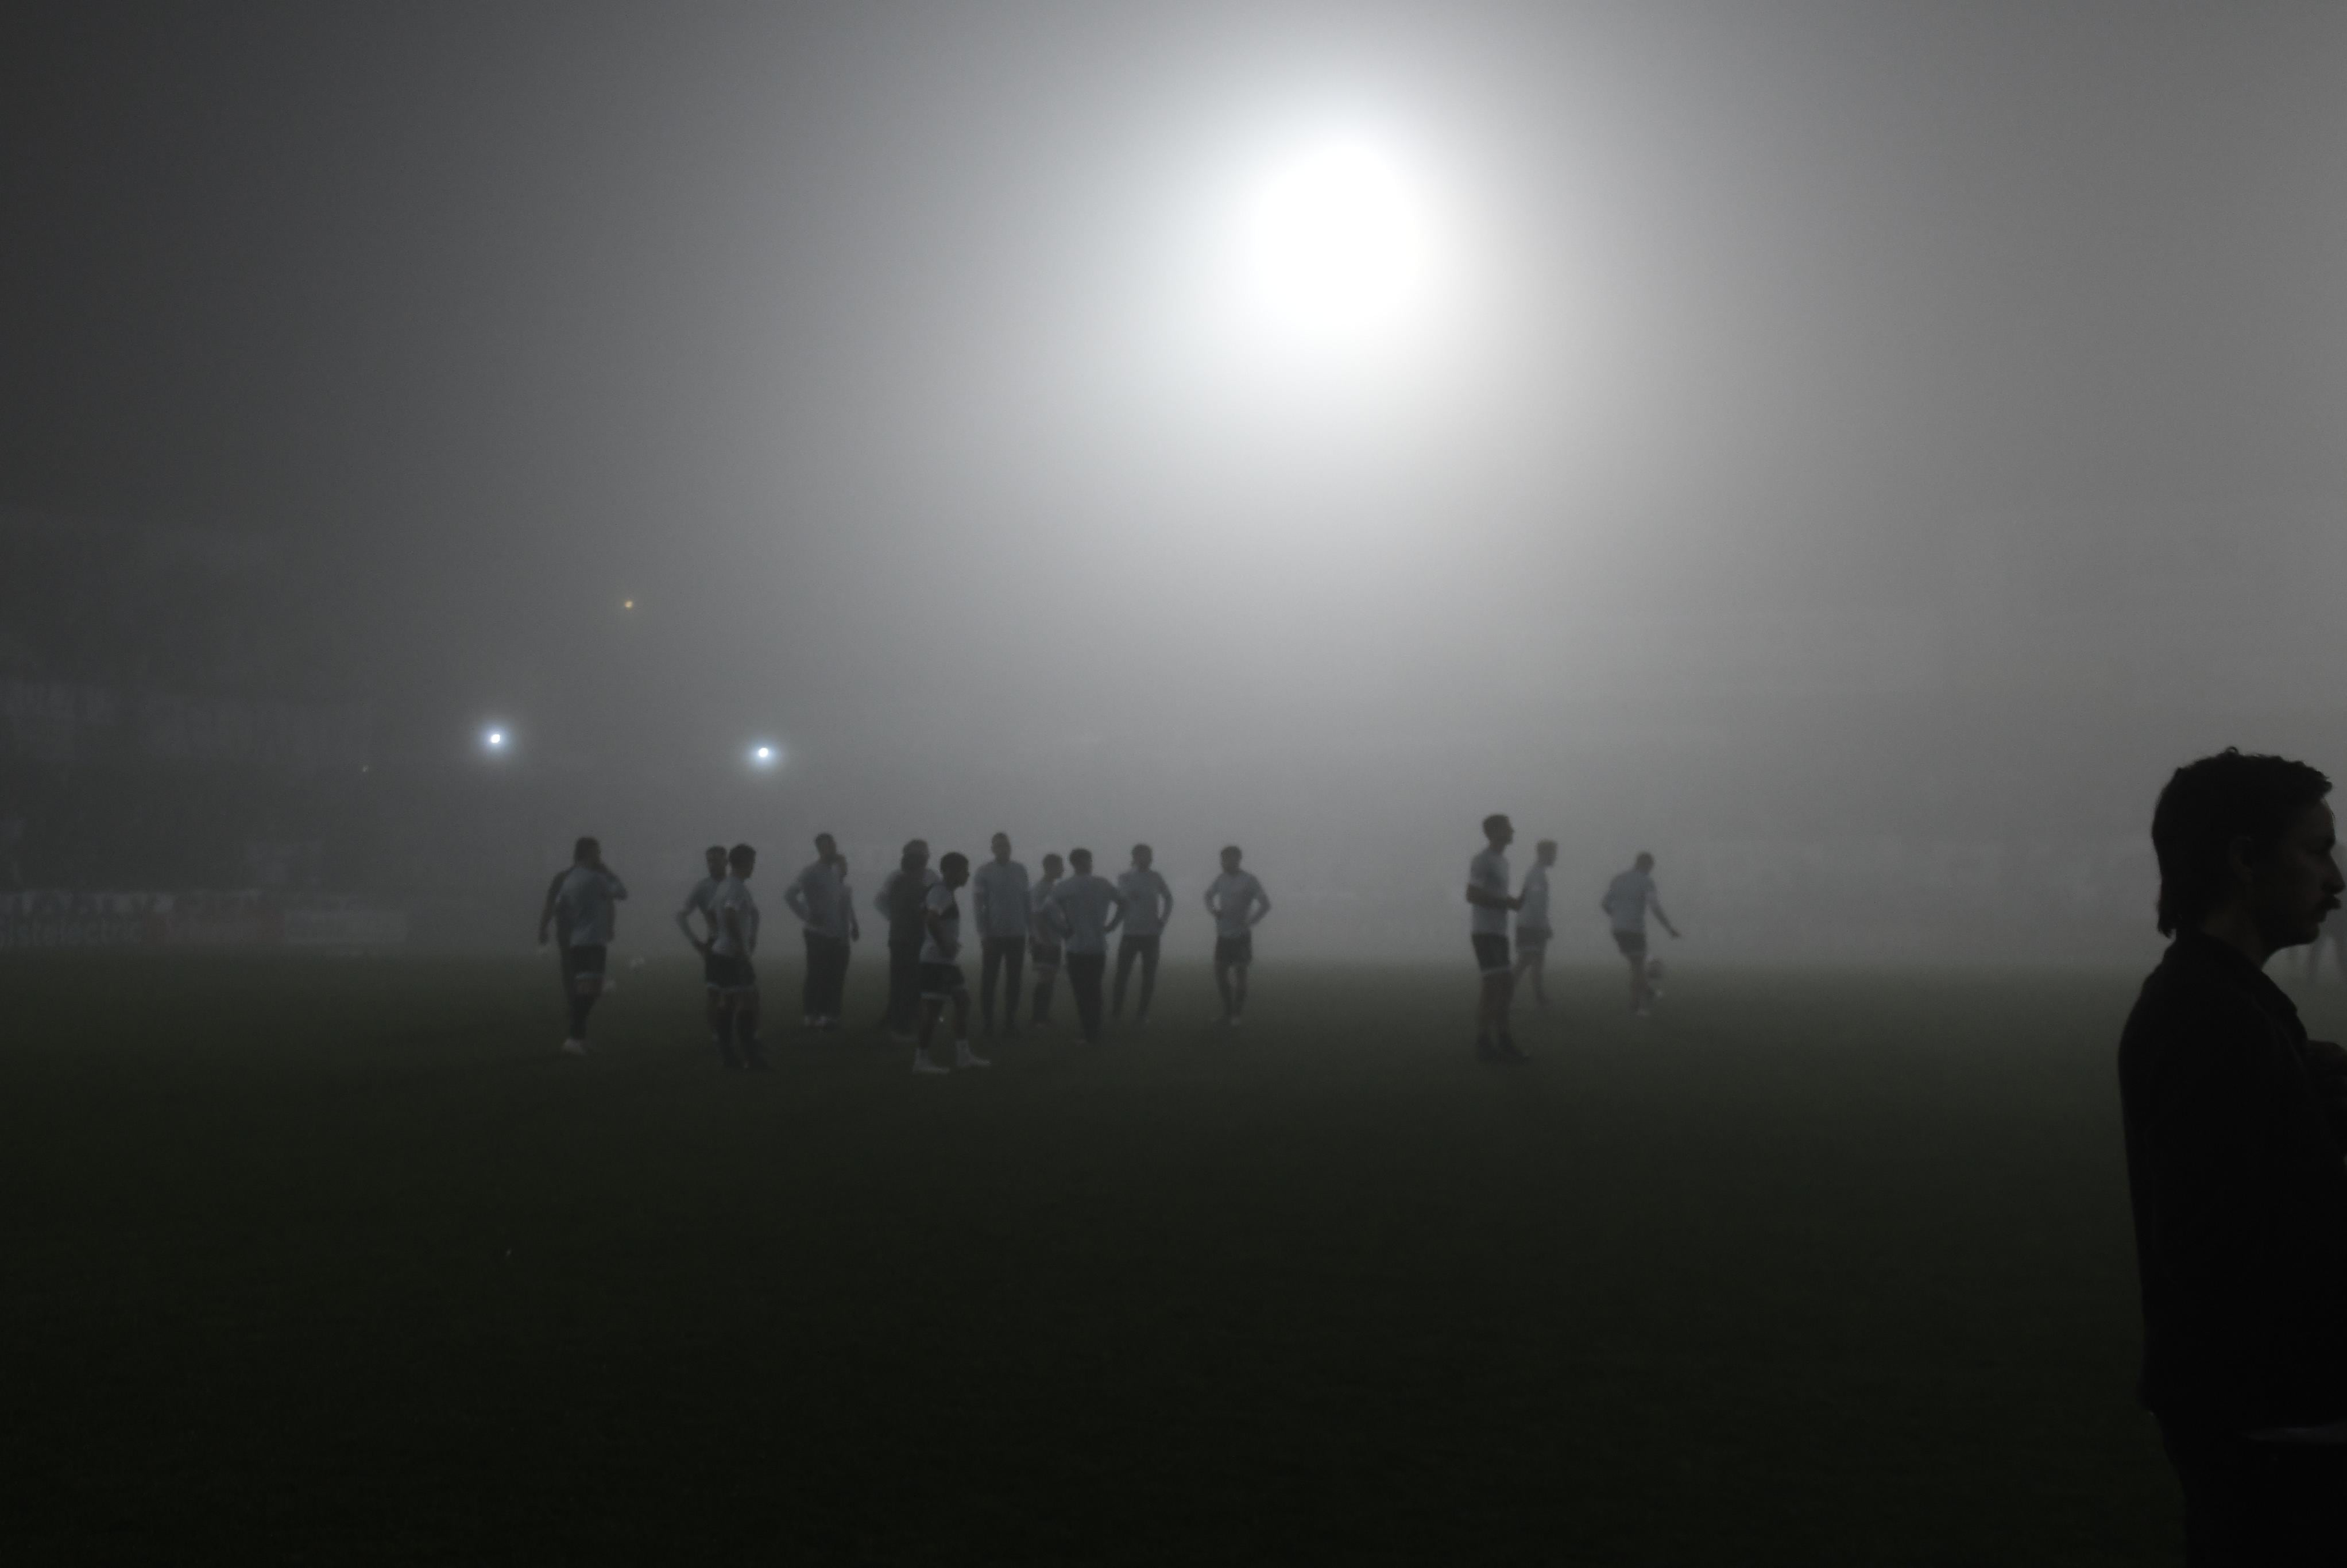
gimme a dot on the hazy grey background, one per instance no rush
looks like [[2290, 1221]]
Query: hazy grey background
[[1868, 446]]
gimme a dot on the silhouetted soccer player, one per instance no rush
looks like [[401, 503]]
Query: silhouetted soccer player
[[2237, 1169], [941, 979], [1532, 930], [1047, 932], [736, 943], [1236, 901], [1627, 898], [819, 897], [997, 896], [701, 902], [1487, 924], [900, 899], [1148, 902], [1088, 908], [581, 904]]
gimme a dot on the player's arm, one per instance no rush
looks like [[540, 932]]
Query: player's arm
[[1262, 902], [1655, 902], [619, 889], [880, 899], [1484, 898], [1115, 912], [933, 922], [979, 902], [795, 900], [732, 917], [1164, 899], [684, 924]]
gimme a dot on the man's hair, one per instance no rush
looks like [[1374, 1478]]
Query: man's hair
[[1493, 823], [1646, 858], [955, 860], [1084, 854], [585, 849], [1051, 859], [1546, 843], [823, 838], [916, 846], [2207, 805], [1141, 849], [716, 849], [1231, 849], [1003, 837], [740, 854]]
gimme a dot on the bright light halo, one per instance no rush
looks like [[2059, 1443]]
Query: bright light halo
[[1337, 240]]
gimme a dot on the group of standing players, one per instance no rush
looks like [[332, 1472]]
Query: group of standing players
[[1061, 920]]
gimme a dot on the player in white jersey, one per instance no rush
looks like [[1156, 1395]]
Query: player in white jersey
[[1236, 901], [1627, 898], [1490, 905], [1532, 930], [580, 906], [1148, 905], [1087, 908], [826, 913], [736, 943], [698, 903], [998, 898], [941, 977], [1045, 934]]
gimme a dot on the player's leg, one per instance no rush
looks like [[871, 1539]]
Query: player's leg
[[963, 1055], [1148, 976], [989, 970], [586, 986], [1084, 973], [745, 1021], [811, 992], [1223, 987], [1239, 990], [1126, 951], [932, 1009], [1014, 959], [1046, 969], [713, 1009]]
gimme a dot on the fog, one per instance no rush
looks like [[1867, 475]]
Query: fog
[[1851, 451]]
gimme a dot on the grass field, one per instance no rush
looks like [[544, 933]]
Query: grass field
[[334, 1260]]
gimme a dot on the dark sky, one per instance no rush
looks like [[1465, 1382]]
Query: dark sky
[[1960, 357]]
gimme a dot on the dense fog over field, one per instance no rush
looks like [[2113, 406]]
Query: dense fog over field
[[1852, 451]]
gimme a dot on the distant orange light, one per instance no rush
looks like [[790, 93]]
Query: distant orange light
[[627, 604]]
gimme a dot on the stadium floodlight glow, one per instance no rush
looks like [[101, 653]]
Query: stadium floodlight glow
[[766, 754], [495, 740], [627, 604], [1336, 239]]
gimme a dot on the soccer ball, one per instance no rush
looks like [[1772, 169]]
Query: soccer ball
[[1654, 976]]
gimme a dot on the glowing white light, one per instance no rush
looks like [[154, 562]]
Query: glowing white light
[[1337, 237], [495, 740], [766, 754]]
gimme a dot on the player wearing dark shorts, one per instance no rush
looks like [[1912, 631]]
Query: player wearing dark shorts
[[1044, 935], [1627, 899], [737, 1044], [698, 903], [941, 979], [1489, 905], [1236, 901]]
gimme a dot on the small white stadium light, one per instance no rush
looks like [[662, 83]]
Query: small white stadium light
[[495, 740], [766, 754]]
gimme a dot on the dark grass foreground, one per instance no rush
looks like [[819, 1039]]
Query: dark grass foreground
[[336, 1262]]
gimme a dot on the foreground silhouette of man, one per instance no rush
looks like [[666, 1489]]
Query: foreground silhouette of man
[[1148, 903], [1236, 901], [999, 895], [2236, 1129], [579, 908]]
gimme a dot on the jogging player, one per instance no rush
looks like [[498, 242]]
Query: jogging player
[[818, 897], [1532, 930], [1487, 921], [582, 903], [997, 896], [1088, 907], [701, 902], [1148, 903], [1045, 934], [1627, 898], [1236, 901], [941, 980], [737, 983]]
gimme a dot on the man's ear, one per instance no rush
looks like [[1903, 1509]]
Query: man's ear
[[2241, 859]]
